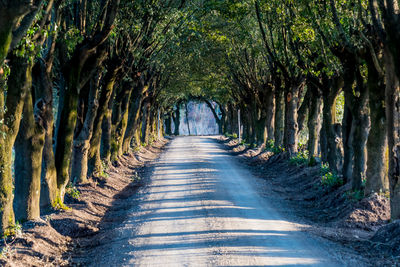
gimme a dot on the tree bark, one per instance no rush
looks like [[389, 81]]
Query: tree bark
[[44, 90], [146, 122], [28, 161], [392, 97], [270, 115], [120, 120], [349, 66], [291, 125], [83, 133], [376, 175], [314, 122], [95, 166], [187, 117], [106, 126], [167, 122], [11, 12], [87, 56], [137, 97], [177, 118], [332, 152], [18, 86], [279, 117], [361, 129], [348, 152], [261, 129]]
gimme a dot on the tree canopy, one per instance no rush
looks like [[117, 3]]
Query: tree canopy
[[82, 82]]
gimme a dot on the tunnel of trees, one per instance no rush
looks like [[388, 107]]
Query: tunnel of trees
[[82, 82]]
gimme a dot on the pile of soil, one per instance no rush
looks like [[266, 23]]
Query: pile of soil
[[57, 238], [336, 213]]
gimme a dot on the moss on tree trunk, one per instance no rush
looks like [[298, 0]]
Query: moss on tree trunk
[[11, 116], [94, 157], [44, 90], [84, 131], [65, 134], [28, 160]]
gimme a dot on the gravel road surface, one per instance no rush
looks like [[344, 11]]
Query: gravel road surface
[[201, 208]]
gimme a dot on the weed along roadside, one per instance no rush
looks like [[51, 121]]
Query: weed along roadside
[[90, 209]]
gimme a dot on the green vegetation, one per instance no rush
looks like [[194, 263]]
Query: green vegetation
[[233, 136], [135, 177], [301, 158], [73, 192], [355, 195], [328, 178], [270, 146]]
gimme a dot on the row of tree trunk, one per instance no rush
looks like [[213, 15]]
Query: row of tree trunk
[[67, 114]]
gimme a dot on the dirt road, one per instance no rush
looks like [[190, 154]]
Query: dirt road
[[200, 208]]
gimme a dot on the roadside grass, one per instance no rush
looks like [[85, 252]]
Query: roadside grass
[[301, 158], [72, 191], [329, 178]]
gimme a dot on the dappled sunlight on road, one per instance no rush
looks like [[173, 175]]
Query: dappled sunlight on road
[[200, 209]]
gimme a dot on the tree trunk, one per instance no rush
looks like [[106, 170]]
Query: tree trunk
[[261, 129], [376, 178], [177, 119], [65, 134], [304, 109], [86, 58], [6, 28], [10, 15], [106, 125], [28, 161], [134, 116], [332, 152], [392, 97], [18, 86], [44, 90], [146, 123], [224, 119], [167, 122], [348, 121], [231, 117], [314, 122], [291, 126], [279, 117], [83, 133], [251, 118], [270, 115], [95, 166], [187, 118], [361, 129], [348, 153], [120, 123]]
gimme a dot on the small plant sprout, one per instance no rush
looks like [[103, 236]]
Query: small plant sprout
[[73, 192], [135, 177], [329, 178], [300, 158]]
